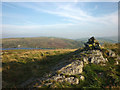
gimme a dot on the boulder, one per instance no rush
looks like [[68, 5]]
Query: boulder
[[72, 80], [85, 60], [111, 53], [82, 77], [96, 57], [73, 68]]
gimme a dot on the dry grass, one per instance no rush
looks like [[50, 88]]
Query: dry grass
[[20, 65]]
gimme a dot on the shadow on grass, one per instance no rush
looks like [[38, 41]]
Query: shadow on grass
[[16, 73]]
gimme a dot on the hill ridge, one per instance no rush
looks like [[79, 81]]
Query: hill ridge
[[41, 42]]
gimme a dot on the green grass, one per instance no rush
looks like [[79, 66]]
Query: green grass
[[96, 76], [20, 65]]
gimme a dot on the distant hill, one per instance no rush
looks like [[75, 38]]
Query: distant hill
[[40, 42]]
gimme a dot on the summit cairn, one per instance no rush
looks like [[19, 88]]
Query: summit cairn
[[92, 44]]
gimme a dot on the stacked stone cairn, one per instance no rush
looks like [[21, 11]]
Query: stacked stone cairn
[[92, 44]]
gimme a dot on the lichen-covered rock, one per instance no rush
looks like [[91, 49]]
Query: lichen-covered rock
[[82, 77], [116, 62], [73, 68], [111, 53], [76, 81], [94, 56], [85, 60], [47, 84]]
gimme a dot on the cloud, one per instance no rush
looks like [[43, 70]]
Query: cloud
[[59, 30], [78, 14], [81, 23], [35, 30], [73, 13]]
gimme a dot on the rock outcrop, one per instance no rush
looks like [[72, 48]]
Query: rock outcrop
[[71, 72], [73, 68], [94, 56], [111, 53]]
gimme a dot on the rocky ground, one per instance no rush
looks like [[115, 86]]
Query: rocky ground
[[70, 70]]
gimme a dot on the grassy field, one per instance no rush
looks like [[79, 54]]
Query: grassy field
[[20, 65]]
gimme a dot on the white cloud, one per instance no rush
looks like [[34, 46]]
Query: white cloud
[[33, 27], [82, 23], [80, 15], [59, 30], [72, 13]]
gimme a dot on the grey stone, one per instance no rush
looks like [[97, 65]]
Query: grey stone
[[56, 78], [73, 68], [85, 60], [82, 77], [47, 84], [76, 81], [111, 53], [96, 58]]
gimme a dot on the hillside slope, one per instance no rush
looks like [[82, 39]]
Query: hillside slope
[[40, 42]]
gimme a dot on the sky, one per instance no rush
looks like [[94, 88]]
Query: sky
[[71, 20]]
